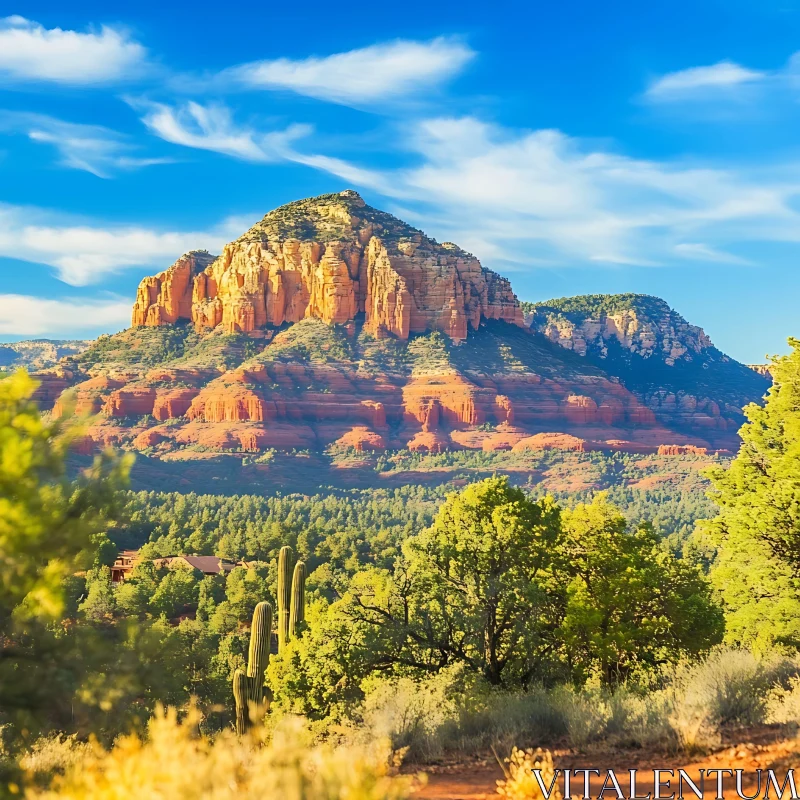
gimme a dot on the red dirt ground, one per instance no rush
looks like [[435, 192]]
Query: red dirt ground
[[761, 748]]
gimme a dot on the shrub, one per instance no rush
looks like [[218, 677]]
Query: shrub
[[731, 685], [49, 756], [783, 703], [520, 783], [586, 714], [453, 712], [728, 687], [175, 762]]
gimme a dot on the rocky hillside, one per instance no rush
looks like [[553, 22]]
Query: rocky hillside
[[629, 324], [669, 364], [331, 324]]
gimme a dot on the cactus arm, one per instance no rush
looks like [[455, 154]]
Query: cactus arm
[[284, 595], [240, 684], [297, 612]]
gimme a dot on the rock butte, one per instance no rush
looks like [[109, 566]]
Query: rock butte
[[355, 260], [335, 267]]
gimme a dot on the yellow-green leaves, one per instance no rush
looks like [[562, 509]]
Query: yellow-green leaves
[[46, 521]]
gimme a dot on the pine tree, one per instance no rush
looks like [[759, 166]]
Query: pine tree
[[757, 532]]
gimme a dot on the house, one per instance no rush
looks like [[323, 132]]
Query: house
[[123, 564], [208, 565]]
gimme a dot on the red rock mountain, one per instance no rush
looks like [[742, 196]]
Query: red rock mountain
[[330, 258], [330, 323]]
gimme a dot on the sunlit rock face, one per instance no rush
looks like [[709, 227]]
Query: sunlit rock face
[[330, 324], [330, 258]]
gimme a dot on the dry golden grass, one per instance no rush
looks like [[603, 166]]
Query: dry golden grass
[[520, 782], [174, 762]]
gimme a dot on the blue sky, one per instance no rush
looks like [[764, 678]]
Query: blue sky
[[575, 147]]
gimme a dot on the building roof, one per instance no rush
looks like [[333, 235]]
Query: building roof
[[208, 565]]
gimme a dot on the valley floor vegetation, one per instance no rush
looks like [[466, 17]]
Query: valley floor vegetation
[[488, 618]]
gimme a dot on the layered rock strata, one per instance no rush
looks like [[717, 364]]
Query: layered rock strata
[[344, 307], [639, 324], [349, 259]]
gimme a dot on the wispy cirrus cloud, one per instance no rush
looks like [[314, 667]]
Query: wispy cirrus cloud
[[211, 127], [380, 72], [697, 251], [25, 315], [92, 148], [31, 52], [540, 196], [554, 196], [722, 76], [84, 253]]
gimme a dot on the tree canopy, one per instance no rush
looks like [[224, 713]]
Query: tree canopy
[[757, 532]]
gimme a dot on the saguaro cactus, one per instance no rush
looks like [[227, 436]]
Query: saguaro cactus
[[241, 700], [284, 594], [297, 612], [251, 695], [249, 691], [291, 597]]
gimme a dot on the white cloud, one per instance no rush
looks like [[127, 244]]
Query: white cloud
[[31, 52], [92, 148], [24, 315], [720, 76], [378, 72], [528, 196], [696, 251], [83, 253], [212, 128]]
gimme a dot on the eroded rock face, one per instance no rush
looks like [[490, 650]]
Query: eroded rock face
[[762, 369], [362, 440], [648, 327], [165, 298], [330, 258], [360, 299]]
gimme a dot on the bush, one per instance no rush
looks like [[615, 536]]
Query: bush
[[49, 756], [454, 713], [520, 783], [783, 704], [728, 687], [173, 761], [449, 714], [732, 685]]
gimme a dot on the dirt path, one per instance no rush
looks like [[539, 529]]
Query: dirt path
[[477, 779]]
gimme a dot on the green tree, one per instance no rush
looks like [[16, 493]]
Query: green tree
[[757, 531], [176, 593], [245, 587], [631, 605], [48, 523], [211, 593], [480, 586], [319, 673], [49, 528], [100, 601], [133, 595]]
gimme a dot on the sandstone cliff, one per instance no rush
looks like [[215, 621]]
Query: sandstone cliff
[[316, 384], [330, 258], [762, 369], [330, 324], [639, 324], [670, 365]]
